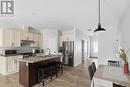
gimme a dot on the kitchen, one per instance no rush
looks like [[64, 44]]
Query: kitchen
[[64, 43], [22, 47]]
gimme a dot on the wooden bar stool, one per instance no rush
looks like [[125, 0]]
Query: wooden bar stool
[[44, 73], [57, 67]]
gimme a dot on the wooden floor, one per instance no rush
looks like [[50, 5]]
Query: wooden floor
[[72, 77]]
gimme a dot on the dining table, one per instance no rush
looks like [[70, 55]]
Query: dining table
[[106, 75]]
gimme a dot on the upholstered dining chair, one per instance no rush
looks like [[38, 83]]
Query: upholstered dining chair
[[93, 67], [113, 63], [91, 73]]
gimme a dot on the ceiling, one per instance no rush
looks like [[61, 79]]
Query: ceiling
[[65, 14]]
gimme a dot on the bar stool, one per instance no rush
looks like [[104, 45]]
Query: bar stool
[[44, 73], [57, 67]]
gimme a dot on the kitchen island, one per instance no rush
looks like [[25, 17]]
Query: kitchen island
[[28, 68]]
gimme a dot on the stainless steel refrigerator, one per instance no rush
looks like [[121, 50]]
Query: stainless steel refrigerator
[[68, 52]]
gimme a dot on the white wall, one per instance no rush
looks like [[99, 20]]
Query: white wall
[[50, 39], [124, 27], [107, 45]]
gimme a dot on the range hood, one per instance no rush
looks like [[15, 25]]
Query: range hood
[[27, 41]]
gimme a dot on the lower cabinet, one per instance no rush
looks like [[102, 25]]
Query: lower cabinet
[[9, 65], [12, 65]]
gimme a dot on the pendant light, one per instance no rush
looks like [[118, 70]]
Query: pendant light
[[99, 29]]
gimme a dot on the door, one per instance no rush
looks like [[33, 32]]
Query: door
[[84, 49]]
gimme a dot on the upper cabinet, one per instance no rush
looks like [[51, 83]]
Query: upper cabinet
[[67, 35], [38, 40], [23, 35], [30, 36], [16, 38], [9, 38], [12, 38]]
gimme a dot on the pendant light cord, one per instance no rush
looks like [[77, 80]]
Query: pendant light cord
[[99, 10]]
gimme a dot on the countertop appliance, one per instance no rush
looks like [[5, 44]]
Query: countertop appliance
[[68, 52]]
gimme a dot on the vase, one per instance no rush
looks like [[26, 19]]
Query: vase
[[126, 69]]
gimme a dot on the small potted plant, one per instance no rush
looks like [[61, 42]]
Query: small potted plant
[[122, 54]]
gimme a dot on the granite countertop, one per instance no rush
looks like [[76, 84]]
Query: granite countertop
[[39, 58]]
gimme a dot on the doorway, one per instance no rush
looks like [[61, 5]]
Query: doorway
[[84, 49]]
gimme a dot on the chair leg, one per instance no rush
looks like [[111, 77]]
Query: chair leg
[[43, 83], [51, 74], [62, 68], [56, 73]]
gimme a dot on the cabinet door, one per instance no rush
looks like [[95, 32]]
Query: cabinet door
[[1, 37], [30, 36], [35, 38], [16, 38], [10, 65], [15, 65], [40, 40], [7, 38], [23, 35]]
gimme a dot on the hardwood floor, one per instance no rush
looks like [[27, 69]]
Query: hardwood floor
[[72, 77]]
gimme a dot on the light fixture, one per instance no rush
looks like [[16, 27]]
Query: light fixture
[[99, 29]]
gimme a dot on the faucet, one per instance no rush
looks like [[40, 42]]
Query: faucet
[[49, 50]]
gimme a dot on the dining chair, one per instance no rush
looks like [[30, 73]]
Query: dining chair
[[93, 67], [117, 85], [91, 73], [113, 63]]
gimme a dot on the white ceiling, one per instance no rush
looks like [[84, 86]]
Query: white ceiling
[[66, 14]]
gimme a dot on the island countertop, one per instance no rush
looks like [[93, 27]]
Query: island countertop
[[40, 58]]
